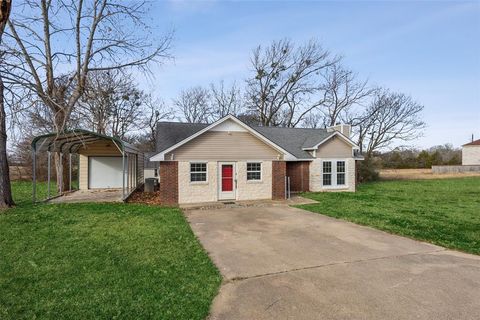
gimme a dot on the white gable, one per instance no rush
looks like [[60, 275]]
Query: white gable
[[229, 126]]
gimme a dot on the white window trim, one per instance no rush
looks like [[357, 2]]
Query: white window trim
[[261, 172], [190, 172], [334, 184]]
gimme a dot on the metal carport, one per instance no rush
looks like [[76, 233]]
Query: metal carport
[[71, 142]]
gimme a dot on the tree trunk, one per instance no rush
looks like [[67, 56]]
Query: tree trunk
[[61, 167], [5, 188]]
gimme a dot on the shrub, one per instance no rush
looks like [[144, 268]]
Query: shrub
[[367, 170]]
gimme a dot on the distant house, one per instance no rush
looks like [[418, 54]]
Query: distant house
[[229, 160], [471, 153]]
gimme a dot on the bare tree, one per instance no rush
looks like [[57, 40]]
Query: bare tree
[[155, 112], [6, 199], [390, 117], [313, 120], [107, 35], [127, 113], [194, 105], [41, 117], [225, 100], [340, 92], [96, 105], [249, 118], [283, 79], [112, 103]]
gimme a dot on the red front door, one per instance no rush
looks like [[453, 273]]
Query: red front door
[[227, 177], [226, 186]]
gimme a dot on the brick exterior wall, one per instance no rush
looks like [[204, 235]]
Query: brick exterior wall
[[299, 173], [279, 171], [169, 182]]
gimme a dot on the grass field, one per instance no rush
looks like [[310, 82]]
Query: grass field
[[421, 174], [444, 212], [102, 261]]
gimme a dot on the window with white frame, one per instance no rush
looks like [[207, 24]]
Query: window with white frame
[[254, 171], [340, 173], [327, 173], [333, 173], [198, 172]]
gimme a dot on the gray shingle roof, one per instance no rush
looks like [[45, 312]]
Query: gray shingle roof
[[171, 133], [294, 139], [290, 139]]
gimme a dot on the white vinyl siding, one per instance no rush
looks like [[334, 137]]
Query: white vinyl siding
[[224, 146], [334, 148]]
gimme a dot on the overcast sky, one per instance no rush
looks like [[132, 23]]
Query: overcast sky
[[430, 50]]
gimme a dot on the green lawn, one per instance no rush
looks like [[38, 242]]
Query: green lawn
[[85, 261], [444, 212]]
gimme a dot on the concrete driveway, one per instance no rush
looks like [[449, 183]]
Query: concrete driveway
[[286, 263]]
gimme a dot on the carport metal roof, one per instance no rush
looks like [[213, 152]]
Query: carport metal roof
[[72, 140]]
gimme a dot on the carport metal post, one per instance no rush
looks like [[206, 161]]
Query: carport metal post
[[34, 191], [48, 173], [69, 172], [123, 175], [61, 174], [128, 174]]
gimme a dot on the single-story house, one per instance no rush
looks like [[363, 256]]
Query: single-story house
[[229, 160], [104, 162], [471, 153]]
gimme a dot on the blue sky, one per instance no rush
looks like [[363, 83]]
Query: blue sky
[[430, 50]]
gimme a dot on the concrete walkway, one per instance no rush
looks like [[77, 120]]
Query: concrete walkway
[[294, 200], [286, 263]]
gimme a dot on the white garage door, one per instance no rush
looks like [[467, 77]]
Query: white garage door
[[105, 172]]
